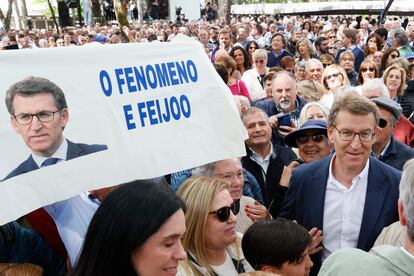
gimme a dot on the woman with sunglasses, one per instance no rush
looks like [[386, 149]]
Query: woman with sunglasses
[[254, 78], [212, 244], [311, 139], [333, 77], [251, 46], [137, 230], [278, 50], [242, 59], [389, 55], [367, 71]]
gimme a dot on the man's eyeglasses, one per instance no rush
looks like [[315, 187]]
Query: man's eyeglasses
[[43, 117], [349, 135], [371, 69], [317, 138], [382, 123], [335, 75], [223, 213]]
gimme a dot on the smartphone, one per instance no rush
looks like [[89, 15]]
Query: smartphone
[[284, 120]]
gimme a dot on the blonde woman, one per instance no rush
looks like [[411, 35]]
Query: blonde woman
[[312, 111], [394, 78], [212, 244], [333, 77], [254, 78]]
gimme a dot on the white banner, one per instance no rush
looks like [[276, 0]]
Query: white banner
[[159, 108]]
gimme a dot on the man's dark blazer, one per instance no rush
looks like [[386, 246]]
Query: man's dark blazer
[[39, 219], [397, 154], [305, 199], [74, 150]]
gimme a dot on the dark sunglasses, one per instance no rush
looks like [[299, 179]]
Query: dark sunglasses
[[332, 48], [326, 64], [252, 47], [223, 213], [371, 69], [331, 37], [317, 138], [333, 76], [394, 56], [382, 123], [261, 61]]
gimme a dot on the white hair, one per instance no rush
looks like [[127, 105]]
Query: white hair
[[407, 196], [375, 85]]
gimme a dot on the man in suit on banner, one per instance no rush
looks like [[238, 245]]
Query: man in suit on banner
[[39, 114]]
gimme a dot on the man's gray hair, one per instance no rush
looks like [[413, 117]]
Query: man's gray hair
[[204, 170], [375, 84], [407, 196], [400, 37], [311, 61], [253, 110], [33, 86], [300, 64]]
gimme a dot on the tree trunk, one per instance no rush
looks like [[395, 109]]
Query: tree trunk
[[53, 15], [18, 20], [22, 8], [224, 10], [121, 12], [141, 6], [6, 19]]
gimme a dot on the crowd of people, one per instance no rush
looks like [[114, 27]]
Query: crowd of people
[[326, 186]]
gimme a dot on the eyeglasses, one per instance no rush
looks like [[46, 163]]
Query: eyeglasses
[[335, 75], [43, 117], [261, 61], [349, 135], [332, 48], [332, 37], [371, 69], [394, 56], [252, 47], [382, 123], [223, 213], [317, 138], [326, 64]]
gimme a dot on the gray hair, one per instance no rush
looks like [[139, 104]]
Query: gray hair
[[312, 60], [204, 170], [375, 84], [34, 86], [259, 54], [400, 37], [300, 64], [253, 110], [407, 196]]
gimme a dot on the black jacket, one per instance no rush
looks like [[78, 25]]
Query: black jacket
[[273, 192]]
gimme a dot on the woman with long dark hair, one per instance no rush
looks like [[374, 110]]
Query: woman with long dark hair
[[136, 230]]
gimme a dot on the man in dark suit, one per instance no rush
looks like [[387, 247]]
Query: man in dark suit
[[386, 148], [350, 196], [39, 113]]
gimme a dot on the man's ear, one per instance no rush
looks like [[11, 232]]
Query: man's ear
[[64, 117], [330, 134], [14, 124], [401, 213]]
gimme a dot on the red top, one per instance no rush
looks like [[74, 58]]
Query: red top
[[239, 88]]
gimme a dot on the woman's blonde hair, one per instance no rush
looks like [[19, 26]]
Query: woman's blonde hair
[[403, 86], [199, 194], [345, 80], [20, 269], [302, 116]]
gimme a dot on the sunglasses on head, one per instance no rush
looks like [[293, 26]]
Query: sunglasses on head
[[382, 123], [317, 138], [223, 213], [371, 69]]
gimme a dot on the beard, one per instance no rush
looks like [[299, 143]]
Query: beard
[[285, 104]]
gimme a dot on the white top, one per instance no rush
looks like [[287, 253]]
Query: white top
[[263, 162], [243, 221], [72, 216], [227, 268], [327, 100], [343, 211], [250, 78]]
